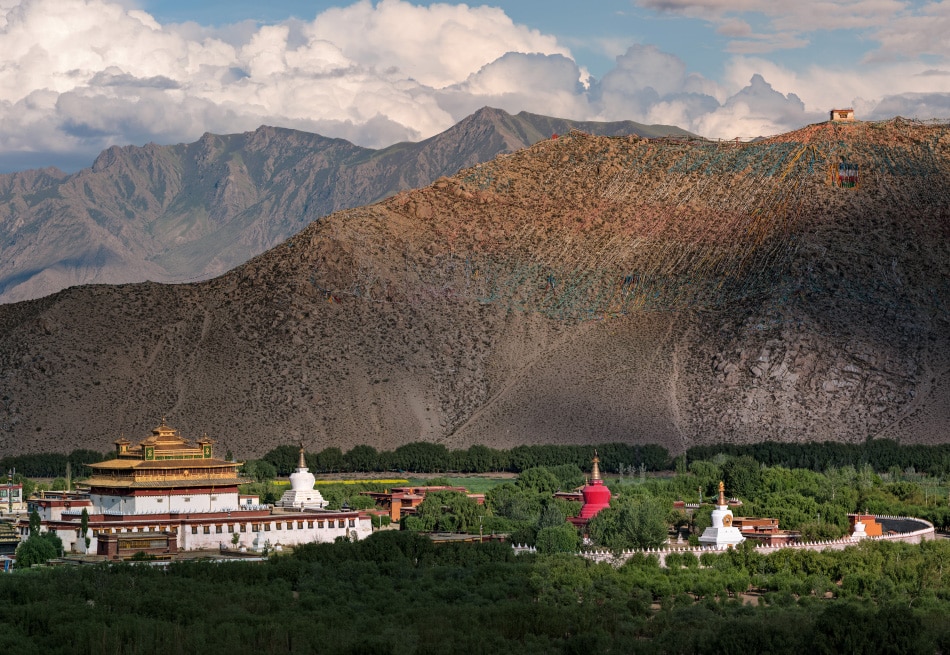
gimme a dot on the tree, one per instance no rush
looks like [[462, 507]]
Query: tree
[[742, 476], [538, 479], [330, 460], [362, 458], [630, 523], [34, 523], [37, 549], [551, 517], [562, 538], [284, 458], [84, 526], [259, 469]]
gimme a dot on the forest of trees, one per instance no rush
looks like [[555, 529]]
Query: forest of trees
[[397, 592], [426, 457]]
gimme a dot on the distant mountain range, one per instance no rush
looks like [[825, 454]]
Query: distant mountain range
[[193, 211], [582, 290]]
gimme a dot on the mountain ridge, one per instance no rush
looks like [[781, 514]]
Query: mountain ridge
[[583, 290], [193, 211]]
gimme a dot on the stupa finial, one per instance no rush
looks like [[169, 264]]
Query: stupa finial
[[302, 463], [722, 493], [595, 470]]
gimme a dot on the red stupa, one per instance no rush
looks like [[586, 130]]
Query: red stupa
[[596, 493]]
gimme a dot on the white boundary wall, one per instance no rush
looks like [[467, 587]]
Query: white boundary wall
[[918, 530]]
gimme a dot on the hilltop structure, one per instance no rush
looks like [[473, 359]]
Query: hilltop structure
[[166, 495]]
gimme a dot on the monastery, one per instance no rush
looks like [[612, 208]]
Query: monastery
[[166, 494]]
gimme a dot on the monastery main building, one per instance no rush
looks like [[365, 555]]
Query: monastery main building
[[166, 495]]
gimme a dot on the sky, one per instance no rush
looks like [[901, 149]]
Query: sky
[[79, 76]]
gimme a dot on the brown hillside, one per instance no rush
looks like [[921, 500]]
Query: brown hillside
[[584, 290]]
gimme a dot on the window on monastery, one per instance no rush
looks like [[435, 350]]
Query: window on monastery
[[218, 529], [341, 523], [244, 527], [256, 527], [300, 525], [319, 524], [310, 524], [194, 529], [290, 525], [230, 528], [206, 529], [267, 527], [277, 525], [352, 523], [187, 499]]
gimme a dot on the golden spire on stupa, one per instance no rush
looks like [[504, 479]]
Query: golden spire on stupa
[[595, 471]]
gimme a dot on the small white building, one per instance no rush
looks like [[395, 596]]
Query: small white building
[[838, 115], [721, 533], [301, 493]]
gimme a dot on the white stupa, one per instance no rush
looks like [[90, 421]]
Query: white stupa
[[301, 492], [721, 533]]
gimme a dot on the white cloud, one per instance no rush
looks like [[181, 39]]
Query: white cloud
[[437, 46]]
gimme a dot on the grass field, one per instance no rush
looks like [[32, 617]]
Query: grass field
[[476, 484]]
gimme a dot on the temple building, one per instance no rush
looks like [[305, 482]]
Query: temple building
[[722, 532], [405, 501], [166, 495]]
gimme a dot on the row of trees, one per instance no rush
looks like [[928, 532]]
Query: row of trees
[[51, 465], [397, 592], [879, 454], [426, 457]]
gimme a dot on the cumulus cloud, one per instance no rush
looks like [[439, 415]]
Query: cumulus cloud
[[77, 76]]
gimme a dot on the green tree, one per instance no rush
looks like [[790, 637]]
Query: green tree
[[84, 526], [329, 460], [34, 523], [742, 476], [630, 523], [561, 538], [284, 458], [551, 517], [362, 458], [538, 479], [35, 550], [260, 470]]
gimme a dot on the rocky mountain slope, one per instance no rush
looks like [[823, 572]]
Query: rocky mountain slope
[[192, 211], [584, 290]]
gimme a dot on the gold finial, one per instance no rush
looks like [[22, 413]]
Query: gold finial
[[722, 493], [595, 470], [303, 461]]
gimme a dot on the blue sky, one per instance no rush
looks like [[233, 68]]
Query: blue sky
[[77, 76]]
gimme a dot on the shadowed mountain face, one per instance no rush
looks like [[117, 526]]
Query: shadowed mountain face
[[584, 290], [190, 212]]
